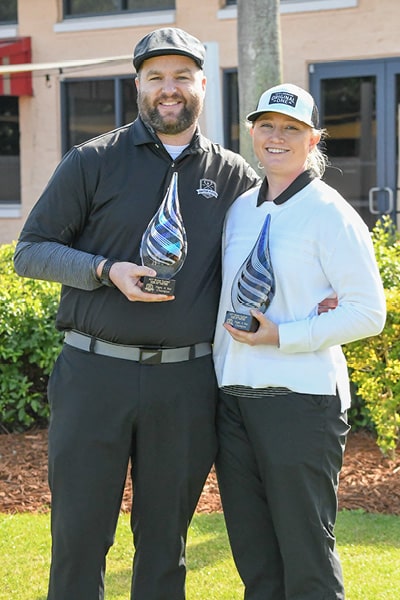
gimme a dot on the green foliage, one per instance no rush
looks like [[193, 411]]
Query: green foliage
[[386, 241], [374, 362], [29, 344]]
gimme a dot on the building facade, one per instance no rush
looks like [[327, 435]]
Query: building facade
[[79, 83]]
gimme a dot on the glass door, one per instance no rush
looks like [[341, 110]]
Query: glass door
[[393, 178], [359, 104]]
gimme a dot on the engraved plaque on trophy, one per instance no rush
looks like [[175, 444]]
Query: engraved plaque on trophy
[[164, 245], [254, 284]]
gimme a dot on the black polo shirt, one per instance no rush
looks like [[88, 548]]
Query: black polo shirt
[[101, 199]]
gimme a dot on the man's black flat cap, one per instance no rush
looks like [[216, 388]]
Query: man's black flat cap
[[168, 41]]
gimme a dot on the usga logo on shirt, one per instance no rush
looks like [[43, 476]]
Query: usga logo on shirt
[[207, 188]]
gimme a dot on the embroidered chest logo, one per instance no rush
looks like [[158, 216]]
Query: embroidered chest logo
[[208, 188]]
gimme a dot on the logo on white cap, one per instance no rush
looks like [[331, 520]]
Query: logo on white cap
[[284, 98]]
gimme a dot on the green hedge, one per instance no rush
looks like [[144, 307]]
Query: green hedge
[[374, 363], [29, 344]]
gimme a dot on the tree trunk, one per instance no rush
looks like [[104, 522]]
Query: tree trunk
[[260, 59]]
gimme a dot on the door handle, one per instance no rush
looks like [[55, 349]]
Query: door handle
[[390, 204]]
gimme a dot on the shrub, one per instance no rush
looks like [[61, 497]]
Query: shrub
[[374, 362], [29, 344]]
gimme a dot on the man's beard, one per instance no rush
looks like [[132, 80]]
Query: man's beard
[[151, 115]]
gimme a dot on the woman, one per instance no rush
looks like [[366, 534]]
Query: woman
[[284, 388]]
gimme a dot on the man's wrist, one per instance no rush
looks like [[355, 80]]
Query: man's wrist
[[97, 266], [104, 268]]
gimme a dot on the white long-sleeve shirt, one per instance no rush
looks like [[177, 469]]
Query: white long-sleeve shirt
[[319, 246]]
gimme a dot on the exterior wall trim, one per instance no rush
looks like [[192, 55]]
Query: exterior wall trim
[[312, 5], [8, 31], [10, 211], [211, 117], [295, 6]]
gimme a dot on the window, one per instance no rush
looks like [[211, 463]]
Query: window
[[9, 151], [8, 12], [95, 106], [73, 8], [347, 103], [231, 109]]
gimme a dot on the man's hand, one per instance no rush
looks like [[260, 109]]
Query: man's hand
[[267, 332], [126, 276], [327, 304]]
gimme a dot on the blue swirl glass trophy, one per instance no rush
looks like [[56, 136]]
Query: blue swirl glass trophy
[[164, 245], [254, 284]]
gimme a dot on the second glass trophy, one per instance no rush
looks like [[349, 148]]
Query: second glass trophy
[[254, 284], [164, 244]]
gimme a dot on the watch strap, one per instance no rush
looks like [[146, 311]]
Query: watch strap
[[105, 273]]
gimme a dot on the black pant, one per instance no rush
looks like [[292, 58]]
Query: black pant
[[105, 411], [277, 468]]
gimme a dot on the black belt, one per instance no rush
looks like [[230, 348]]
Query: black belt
[[150, 356]]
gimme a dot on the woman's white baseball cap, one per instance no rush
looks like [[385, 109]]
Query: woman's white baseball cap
[[288, 99]]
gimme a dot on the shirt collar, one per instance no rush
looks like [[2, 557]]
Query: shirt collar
[[144, 134], [298, 184]]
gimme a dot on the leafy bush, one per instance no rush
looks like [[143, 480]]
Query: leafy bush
[[29, 344], [374, 362]]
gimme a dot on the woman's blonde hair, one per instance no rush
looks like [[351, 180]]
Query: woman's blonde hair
[[317, 160]]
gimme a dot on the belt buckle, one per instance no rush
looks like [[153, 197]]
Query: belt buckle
[[150, 357]]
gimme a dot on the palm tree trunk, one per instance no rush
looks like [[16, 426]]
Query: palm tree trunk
[[260, 59]]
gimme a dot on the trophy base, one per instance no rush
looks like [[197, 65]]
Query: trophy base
[[157, 285], [242, 322]]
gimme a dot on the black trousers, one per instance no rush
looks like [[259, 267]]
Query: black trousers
[[105, 411], [278, 466]]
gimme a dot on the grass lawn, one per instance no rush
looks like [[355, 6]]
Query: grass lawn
[[369, 546]]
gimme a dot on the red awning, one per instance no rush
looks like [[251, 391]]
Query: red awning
[[12, 52]]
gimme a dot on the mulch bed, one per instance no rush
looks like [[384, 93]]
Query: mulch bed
[[369, 481]]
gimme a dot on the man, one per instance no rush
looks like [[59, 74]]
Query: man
[[135, 377]]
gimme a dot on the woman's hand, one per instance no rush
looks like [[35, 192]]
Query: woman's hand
[[267, 332]]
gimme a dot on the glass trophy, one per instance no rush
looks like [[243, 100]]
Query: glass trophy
[[254, 284], [164, 245]]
